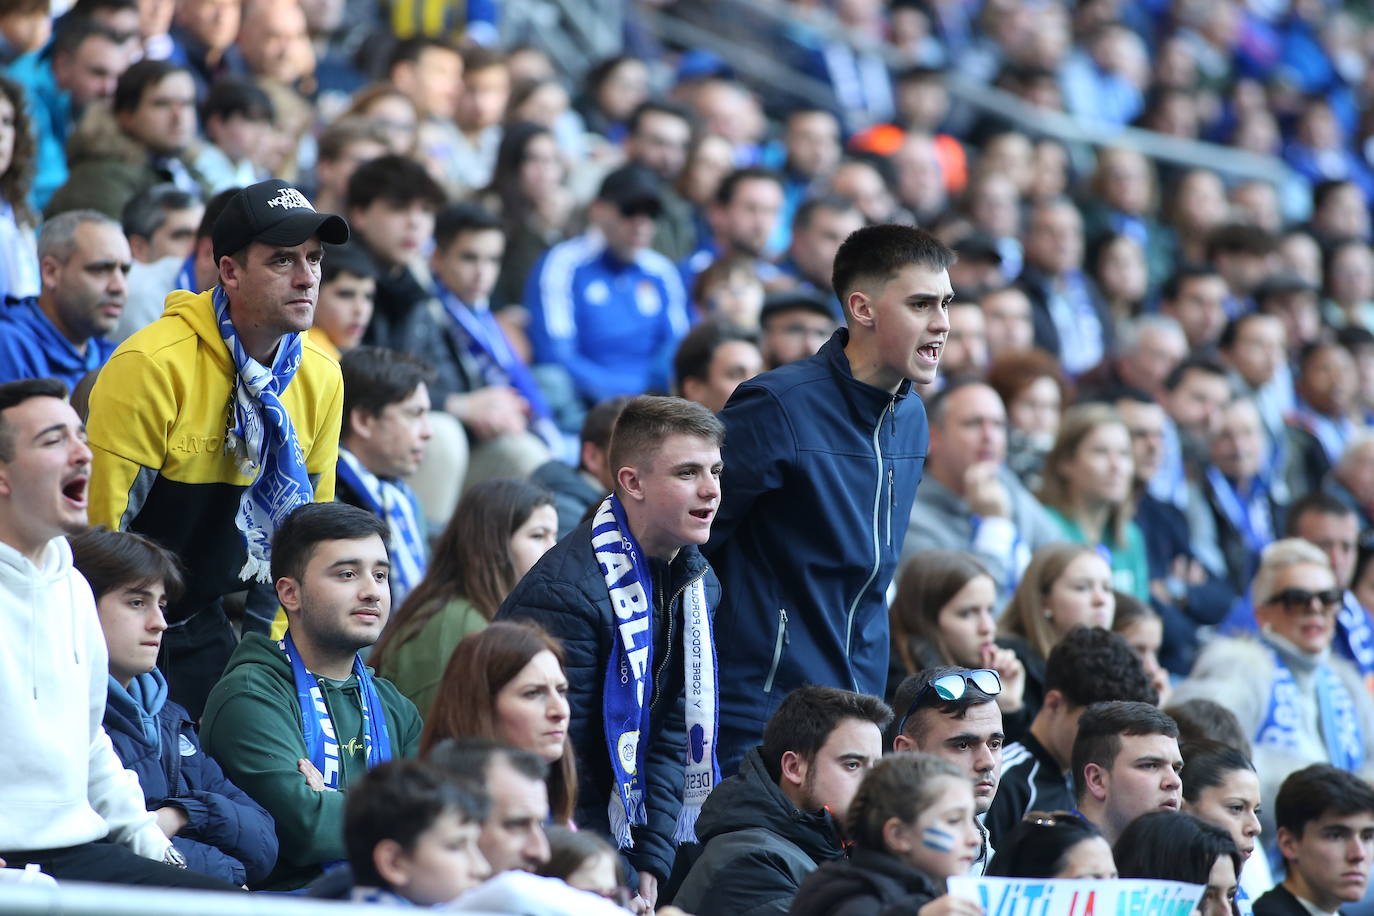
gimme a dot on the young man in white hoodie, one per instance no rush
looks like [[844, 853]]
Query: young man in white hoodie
[[69, 804]]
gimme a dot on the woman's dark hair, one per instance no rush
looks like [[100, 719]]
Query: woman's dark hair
[[505, 177], [465, 703], [928, 581], [1206, 764], [118, 559], [472, 559], [1172, 846], [18, 178], [1039, 846], [570, 849]]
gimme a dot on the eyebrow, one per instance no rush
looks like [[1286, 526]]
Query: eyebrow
[[930, 297], [55, 428], [693, 465], [357, 561], [860, 758]]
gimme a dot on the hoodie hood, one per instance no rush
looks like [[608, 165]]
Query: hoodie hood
[[197, 310], [134, 711], [752, 799], [257, 649]]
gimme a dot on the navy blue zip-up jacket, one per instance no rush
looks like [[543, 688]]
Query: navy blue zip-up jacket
[[227, 834], [565, 593], [820, 475]]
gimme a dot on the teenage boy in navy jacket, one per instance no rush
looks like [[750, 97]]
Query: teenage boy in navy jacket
[[824, 456]]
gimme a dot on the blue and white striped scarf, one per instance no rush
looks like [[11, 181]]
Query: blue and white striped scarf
[[264, 442], [394, 503]]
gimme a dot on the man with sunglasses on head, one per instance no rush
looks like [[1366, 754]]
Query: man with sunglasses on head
[[1298, 701], [952, 713]]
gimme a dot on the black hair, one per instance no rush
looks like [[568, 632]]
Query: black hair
[[213, 208], [1322, 190], [146, 211], [834, 203], [1092, 665], [349, 258], [395, 179], [1201, 719], [570, 849], [1101, 728], [1231, 332], [806, 717], [726, 192], [114, 559], [470, 758], [937, 403], [296, 537], [1311, 350], [1206, 765], [1316, 502], [138, 79], [874, 254], [1239, 238], [599, 422], [73, 31], [1173, 846], [410, 50], [399, 800], [237, 96], [657, 106], [456, 219], [1039, 847], [913, 695], [1206, 364], [1355, 338], [375, 377], [12, 394], [698, 348], [1319, 790], [1174, 285]]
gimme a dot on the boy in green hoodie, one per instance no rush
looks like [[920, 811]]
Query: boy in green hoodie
[[294, 722]]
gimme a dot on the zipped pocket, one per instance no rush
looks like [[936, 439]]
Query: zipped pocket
[[777, 650]]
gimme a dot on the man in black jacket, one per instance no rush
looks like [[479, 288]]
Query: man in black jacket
[[1087, 666], [1325, 818], [630, 596], [780, 818]]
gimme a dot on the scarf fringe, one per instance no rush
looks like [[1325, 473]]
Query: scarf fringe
[[256, 570], [620, 822], [686, 831]]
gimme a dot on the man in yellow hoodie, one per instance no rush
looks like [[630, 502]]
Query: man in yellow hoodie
[[211, 424]]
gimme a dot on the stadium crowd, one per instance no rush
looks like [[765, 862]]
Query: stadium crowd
[[430, 479]]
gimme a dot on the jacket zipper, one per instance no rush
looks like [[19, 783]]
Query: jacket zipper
[[777, 650], [877, 541], [890, 493], [658, 675]]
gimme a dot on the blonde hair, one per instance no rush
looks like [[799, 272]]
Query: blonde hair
[[1056, 491], [1024, 616], [1280, 555]]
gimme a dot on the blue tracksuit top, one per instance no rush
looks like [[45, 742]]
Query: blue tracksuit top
[[820, 476], [612, 324], [31, 346]]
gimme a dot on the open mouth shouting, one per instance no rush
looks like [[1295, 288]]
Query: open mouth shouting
[[929, 353], [74, 491]]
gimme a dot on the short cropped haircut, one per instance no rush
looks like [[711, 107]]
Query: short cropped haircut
[[296, 537], [71, 32], [1101, 728], [1091, 665], [349, 258], [145, 213], [901, 786], [375, 377], [1173, 846], [1231, 333], [1205, 364], [456, 219], [1317, 791], [833, 203], [874, 254], [236, 96], [914, 686], [138, 79], [57, 238], [657, 106], [1207, 720], [804, 720], [213, 208], [345, 131], [471, 758], [730, 184], [599, 422], [410, 50], [648, 420], [12, 394], [1317, 502], [118, 559], [397, 180], [698, 348], [399, 800], [1206, 764], [1184, 275]]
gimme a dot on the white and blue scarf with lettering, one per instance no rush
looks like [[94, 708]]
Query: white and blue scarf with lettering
[[1340, 722], [629, 680], [394, 503], [263, 440]]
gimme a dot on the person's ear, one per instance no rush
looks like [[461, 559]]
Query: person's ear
[[897, 836], [50, 272], [362, 424], [230, 274], [140, 248], [630, 483], [691, 389], [391, 863], [903, 743], [289, 593], [1097, 781], [1288, 845], [860, 309], [793, 768]]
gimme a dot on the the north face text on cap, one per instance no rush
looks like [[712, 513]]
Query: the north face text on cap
[[290, 197]]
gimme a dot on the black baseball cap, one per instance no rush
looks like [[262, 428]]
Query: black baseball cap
[[274, 213], [633, 189]]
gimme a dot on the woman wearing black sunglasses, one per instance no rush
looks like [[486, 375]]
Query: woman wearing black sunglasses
[[1300, 702]]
